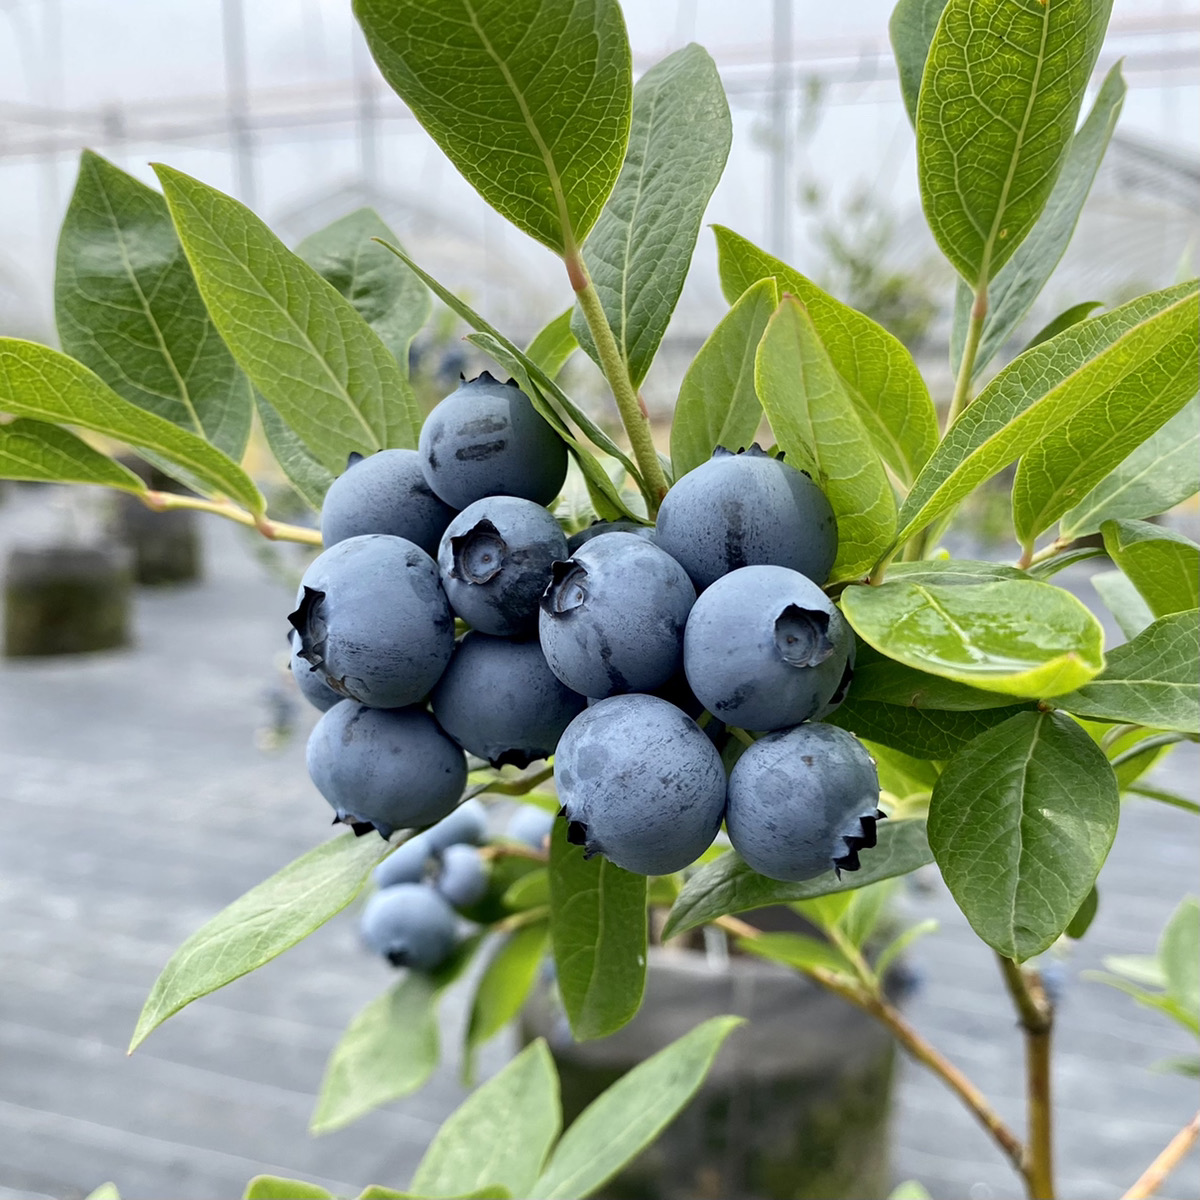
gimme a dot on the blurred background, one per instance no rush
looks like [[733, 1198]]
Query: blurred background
[[142, 789]]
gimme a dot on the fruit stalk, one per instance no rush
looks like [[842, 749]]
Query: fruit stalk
[[629, 404]]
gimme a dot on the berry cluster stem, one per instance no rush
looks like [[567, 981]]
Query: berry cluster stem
[[633, 412], [276, 531]]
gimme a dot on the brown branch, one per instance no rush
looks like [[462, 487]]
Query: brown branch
[[1155, 1175]]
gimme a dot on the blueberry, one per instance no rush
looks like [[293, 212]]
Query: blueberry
[[803, 801], [612, 618], [374, 621], [596, 528], [463, 877], [487, 439], [308, 679], [466, 824], [640, 784], [405, 864], [499, 700], [385, 493], [385, 768], [410, 925], [765, 648], [495, 561], [531, 825], [747, 509]]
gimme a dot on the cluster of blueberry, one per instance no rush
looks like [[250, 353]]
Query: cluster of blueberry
[[605, 649]]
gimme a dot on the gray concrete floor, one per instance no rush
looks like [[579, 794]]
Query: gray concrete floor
[[136, 800]]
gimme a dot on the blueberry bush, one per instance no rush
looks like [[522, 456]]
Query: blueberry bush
[[770, 640]]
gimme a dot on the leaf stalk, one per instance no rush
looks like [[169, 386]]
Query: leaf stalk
[[966, 368], [276, 531]]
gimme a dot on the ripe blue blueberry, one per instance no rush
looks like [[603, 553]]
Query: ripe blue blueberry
[[462, 877], [531, 825], [487, 439], [374, 621], [640, 783], [596, 528], [612, 618], [308, 679], [386, 769], [466, 824], [385, 493], [765, 648], [410, 925], [746, 509], [803, 801], [495, 560], [499, 700], [407, 863]]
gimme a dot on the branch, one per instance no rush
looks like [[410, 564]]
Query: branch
[[1156, 1173], [276, 531]]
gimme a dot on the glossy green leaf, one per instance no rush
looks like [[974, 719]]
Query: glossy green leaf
[[1018, 637], [1020, 822], [1163, 565], [728, 885], [623, 1120], [375, 1192], [275, 1187], [310, 478], [1002, 91], [530, 101], [388, 296], [500, 1134], [301, 342], [41, 383], [904, 776], [1017, 285], [885, 681], [1124, 601], [127, 307], [798, 950], [505, 983], [1095, 365], [553, 344], [531, 890], [1064, 320], [389, 1050], [598, 930], [952, 572], [1179, 956], [1085, 914], [879, 374], [717, 404], [640, 250], [1070, 460], [262, 924], [1162, 472], [1049, 567], [911, 30], [818, 427], [1162, 796], [44, 453], [1151, 680], [928, 733]]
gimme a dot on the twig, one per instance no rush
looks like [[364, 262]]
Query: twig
[[277, 531], [1155, 1175]]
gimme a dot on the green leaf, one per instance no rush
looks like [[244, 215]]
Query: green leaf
[[640, 250], [928, 733], [1064, 320], [1161, 796], [1093, 366], [505, 984], [728, 885], [818, 428], [717, 404], [303, 344], [1002, 91], [598, 929], [952, 572], [799, 951], [310, 479], [1020, 822], [1162, 472], [375, 1192], [38, 382], [879, 374], [44, 453], [910, 1189], [389, 1050], [500, 1134], [388, 296], [906, 778], [1014, 289], [262, 924], [911, 30], [1124, 601], [553, 344], [530, 101], [1141, 968], [127, 307], [531, 890], [901, 942], [275, 1187], [884, 681], [1018, 637], [1085, 914], [623, 1120], [1151, 680], [1179, 955], [1163, 565], [106, 1191]]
